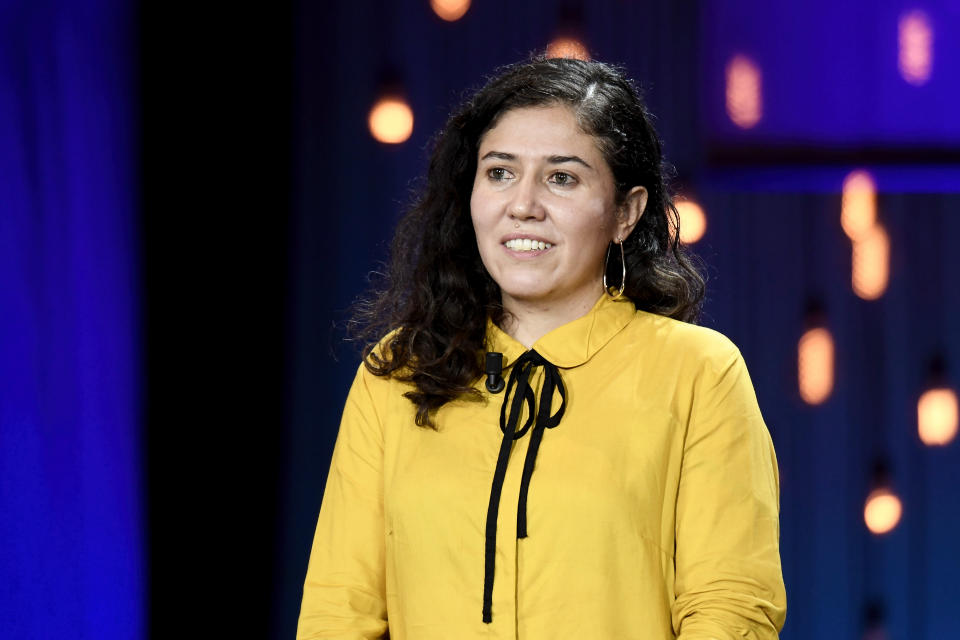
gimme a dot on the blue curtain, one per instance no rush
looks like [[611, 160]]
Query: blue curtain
[[71, 534]]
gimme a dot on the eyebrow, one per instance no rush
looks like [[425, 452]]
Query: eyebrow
[[500, 155], [564, 159]]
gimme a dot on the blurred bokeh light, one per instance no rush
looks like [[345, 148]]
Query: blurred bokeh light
[[858, 212], [564, 47], [871, 263], [693, 221], [391, 120], [744, 92], [915, 41], [937, 416], [882, 511], [450, 10], [815, 357]]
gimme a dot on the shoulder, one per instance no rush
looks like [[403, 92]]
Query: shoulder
[[373, 375], [379, 398], [378, 357], [672, 354], [693, 365], [682, 341]]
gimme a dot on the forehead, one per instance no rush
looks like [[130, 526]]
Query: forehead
[[546, 130]]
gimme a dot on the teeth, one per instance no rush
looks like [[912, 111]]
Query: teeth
[[526, 244]]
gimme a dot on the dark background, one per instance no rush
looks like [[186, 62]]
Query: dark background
[[216, 93]]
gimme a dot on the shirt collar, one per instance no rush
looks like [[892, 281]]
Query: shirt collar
[[574, 343]]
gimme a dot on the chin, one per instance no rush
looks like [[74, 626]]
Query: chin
[[528, 293]]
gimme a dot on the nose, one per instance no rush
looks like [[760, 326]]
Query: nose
[[525, 203]]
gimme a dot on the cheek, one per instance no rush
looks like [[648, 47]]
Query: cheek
[[597, 225], [480, 215]]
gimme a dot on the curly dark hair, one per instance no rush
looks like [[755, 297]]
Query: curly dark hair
[[436, 295]]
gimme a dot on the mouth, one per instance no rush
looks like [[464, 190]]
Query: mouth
[[523, 245]]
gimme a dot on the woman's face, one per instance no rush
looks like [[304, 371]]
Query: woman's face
[[544, 208]]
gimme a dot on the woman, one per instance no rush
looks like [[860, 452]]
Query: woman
[[538, 285]]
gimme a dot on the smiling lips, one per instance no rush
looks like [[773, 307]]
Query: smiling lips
[[526, 244]]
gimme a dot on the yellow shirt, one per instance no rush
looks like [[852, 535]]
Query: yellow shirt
[[652, 510]]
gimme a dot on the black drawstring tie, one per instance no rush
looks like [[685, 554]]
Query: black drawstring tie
[[519, 378]]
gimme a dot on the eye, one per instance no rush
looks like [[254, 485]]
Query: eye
[[498, 174], [562, 179]]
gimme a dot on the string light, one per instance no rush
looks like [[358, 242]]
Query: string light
[[391, 120], [882, 511], [871, 263], [815, 365], [693, 221], [564, 47], [744, 92], [858, 213], [915, 40], [450, 10], [937, 416]]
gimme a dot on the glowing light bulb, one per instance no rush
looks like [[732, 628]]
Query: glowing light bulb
[[858, 213], [815, 365], [450, 10], [882, 511], [871, 263], [915, 40], [744, 92], [391, 120], [693, 221], [937, 416], [567, 48]]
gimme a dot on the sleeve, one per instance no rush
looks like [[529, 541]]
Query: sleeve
[[729, 583], [344, 591]]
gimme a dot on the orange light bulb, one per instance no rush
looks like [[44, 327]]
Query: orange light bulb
[[871, 263], [937, 416], [815, 355], [391, 120], [567, 48], [693, 221], [882, 511], [858, 212], [450, 10]]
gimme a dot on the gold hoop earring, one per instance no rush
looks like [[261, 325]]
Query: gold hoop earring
[[615, 293]]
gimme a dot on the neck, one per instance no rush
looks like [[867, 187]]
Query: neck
[[528, 320]]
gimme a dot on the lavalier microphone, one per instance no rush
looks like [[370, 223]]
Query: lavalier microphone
[[494, 369]]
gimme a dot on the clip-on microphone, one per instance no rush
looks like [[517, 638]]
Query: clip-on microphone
[[494, 369]]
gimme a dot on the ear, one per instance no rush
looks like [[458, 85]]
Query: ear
[[628, 214]]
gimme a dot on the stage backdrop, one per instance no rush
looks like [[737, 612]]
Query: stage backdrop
[[71, 538], [773, 244]]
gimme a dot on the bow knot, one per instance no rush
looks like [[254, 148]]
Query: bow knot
[[519, 385]]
